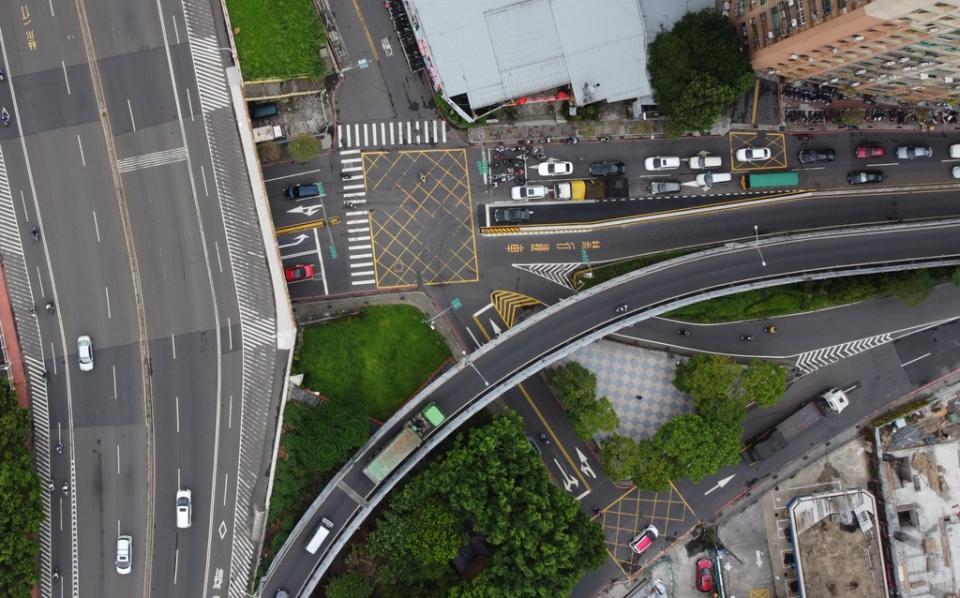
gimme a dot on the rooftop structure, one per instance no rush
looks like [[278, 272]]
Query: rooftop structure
[[486, 52], [896, 48], [920, 477], [836, 541]]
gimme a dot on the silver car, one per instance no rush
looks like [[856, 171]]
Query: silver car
[[85, 353], [911, 152]]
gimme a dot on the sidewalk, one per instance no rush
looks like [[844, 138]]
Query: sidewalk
[[16, 372]]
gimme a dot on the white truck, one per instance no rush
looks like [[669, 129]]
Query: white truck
[[267, 133], [830, 402]]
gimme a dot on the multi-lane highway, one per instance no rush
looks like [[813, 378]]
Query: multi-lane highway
[[543, 338], [124, 153]]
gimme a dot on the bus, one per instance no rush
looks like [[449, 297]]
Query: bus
[[770, 180]]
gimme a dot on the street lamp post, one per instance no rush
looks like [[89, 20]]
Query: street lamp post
[[470, 363], [455, 304], [756, 243]]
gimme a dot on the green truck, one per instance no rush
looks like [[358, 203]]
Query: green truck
[[404, 443]]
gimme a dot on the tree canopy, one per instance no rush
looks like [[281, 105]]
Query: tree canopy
[[576, 389], [697, 69], [696, 445], [21, 507], [489, 485]]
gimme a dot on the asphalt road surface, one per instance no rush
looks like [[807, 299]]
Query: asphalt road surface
[[135, 253], [592, 313]]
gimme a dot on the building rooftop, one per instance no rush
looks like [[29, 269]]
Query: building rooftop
[[497, 50], [837, 542], [923, 502]]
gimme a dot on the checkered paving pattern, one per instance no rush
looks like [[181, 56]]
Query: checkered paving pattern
[[624, 372]]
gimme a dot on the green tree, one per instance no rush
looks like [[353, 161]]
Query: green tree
[[697, 69], [576, 389], [910, 286], [349, 585], [955, 277], [21, 507], [304, 147], [706, 376], [686, 445], [619, 455], [763, 382], [652, 470], [850, 117], [491, 483]]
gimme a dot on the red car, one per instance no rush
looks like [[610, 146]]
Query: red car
[[298, 272], [644, 539], [869, 151], [705, 575]]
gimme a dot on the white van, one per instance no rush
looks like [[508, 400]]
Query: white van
[[319, 535], [184, 508], [708, 179], [703, 161]]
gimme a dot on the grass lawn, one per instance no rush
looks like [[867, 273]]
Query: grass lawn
[[277, 39], [380, 357]]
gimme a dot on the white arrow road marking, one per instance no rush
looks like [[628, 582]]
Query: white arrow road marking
[[296, 241], [496, 329], [569, 482], [585, 465], [720, 484], [306, 210]]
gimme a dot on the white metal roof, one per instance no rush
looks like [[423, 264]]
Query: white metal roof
[[496, 50]]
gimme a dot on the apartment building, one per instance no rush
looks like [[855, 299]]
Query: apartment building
[[907, 49]]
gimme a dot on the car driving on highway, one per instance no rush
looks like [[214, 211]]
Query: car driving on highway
[[912, 152], [607, 168], [124, 558], [753, 154], [662, 163], [812, 156], [525, 192], [554, 167], [861, 177], [85, 353], [184, 508]]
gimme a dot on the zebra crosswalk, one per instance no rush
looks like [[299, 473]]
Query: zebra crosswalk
[[386, 134], [359, 238]]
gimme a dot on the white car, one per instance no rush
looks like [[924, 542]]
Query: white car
[[528, 192], [124, 555], [955, 150], [955, 172], [85, 353], [554, 168], [184, 508], [753, 154], [662, 163]]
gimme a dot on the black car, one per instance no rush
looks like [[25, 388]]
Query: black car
[[607, 169], [658, 187], [860, 177], [511, 215], [811, 156], [304, 191]]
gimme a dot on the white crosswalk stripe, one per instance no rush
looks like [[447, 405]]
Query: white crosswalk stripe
[[160, 158], [386, 134], [358, 221], [819, 358]]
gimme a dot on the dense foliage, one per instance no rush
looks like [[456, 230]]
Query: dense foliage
[[697, 69], [696, 445], [576, 389], [492, 487], [21, 505]]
